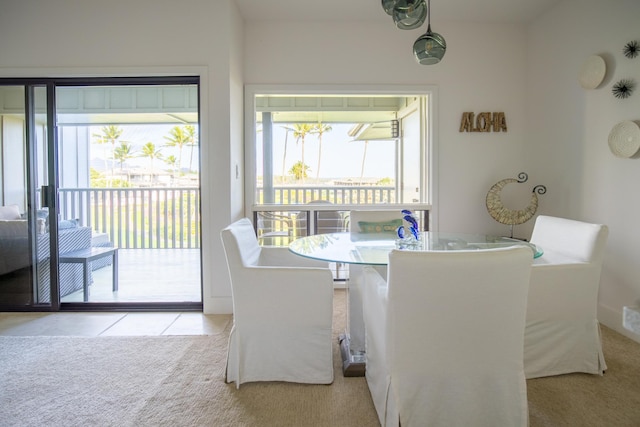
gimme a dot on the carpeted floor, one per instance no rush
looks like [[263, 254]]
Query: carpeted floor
[[582, 400], [178, 381]]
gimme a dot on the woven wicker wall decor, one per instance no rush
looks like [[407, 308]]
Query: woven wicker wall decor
[[508, 216]]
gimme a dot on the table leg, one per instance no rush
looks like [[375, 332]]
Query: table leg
[[353, 364], [352, 347], [85, 285], [115, 269], [352, 342]]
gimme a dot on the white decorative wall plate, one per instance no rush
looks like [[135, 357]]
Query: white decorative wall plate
[[592, 72], [624, 139]]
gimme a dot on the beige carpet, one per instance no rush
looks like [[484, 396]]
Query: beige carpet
[[178, 381]]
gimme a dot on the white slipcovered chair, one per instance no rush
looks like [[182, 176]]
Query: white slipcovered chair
[[282, 312], [562, 333], [444, 338]]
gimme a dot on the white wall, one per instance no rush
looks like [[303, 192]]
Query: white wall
[[483, 70], [568, 129], [149, 37]]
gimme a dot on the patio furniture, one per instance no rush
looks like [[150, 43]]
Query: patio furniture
[[15, 253], [71, 276], [274, 229], [563, 332], [325, 221], [444, 337], [282, 312], [330, 221], [88, 256], [100, 240]]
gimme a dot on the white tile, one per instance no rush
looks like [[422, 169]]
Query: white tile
[[58, 324], [113, 324], [198, 324], [136, 324], [10, 322]]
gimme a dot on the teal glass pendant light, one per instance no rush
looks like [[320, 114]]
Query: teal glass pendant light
[[407, 14], [430, 47], [388, 5]]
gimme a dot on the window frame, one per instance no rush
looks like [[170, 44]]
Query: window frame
[[429, 132]]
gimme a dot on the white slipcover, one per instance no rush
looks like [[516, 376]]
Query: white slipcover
[[282, 312], [562, 333], [445, 338]]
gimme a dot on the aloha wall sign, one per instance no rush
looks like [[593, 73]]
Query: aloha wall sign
[[483, 122]]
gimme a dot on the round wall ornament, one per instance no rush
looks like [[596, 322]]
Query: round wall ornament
[[624, 139], [592, 72]]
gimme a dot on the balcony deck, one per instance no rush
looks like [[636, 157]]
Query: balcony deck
[[148, 275]]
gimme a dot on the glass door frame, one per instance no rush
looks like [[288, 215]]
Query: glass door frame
[[29, 83], [50, 191], [29, 86]]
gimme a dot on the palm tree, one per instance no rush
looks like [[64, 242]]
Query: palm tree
[[149, 150], [171, 161], [364, 158], [110, 134], [96, 178], [300, 131], [284, 155], [299, 170], [178, 137], [122, 154], [319, 129], [192, 142]]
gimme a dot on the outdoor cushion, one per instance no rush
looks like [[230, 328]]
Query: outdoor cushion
[[9, 212], [68, 223], [379, 227]]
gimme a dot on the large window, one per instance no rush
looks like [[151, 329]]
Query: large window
[[314, 154]]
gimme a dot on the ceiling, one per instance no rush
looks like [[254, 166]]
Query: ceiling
[[490, 11]]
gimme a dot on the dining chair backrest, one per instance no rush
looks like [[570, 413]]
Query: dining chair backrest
[[455, 330], [562, 335], [241, 245], [582, 241]]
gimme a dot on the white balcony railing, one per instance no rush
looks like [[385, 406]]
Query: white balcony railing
[[169, 218], [137, 218], [291, 212]]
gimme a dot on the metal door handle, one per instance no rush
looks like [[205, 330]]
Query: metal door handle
[[44, 196]]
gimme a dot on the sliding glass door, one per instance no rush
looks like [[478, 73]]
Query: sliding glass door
[[103, 207], [26, 271]]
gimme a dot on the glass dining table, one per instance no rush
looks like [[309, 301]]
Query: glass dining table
[[373, 249]]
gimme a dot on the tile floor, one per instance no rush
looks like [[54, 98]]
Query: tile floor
[[111, 324], [147, 275]]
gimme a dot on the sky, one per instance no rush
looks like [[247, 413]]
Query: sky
[[341, 157], [137, 136]]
